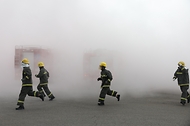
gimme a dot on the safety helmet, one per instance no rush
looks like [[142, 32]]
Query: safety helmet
[[40, 64], [181, 63], [103, 64], [25, 61]]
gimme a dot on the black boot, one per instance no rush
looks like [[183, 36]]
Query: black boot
[[182, 102], [21, 107], [118, 97], [101, 103], [41, 96], [51, 98], [188, 100]]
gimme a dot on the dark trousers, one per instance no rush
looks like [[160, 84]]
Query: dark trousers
[[185, 94], [26, 90], [106, 91], [44, 87]]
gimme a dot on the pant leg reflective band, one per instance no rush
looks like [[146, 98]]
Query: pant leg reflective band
[[112, 93], [50, 94], [35, 93], [105, 86], [183, 84], [183, 98], [43, 84], [26, 85], [102, 99], [20, 101]]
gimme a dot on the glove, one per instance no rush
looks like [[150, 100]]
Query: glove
[[174, 78], [99, 79]]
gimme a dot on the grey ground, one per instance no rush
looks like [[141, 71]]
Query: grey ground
[[162, 109]]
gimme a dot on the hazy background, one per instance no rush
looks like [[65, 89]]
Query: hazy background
[[152, 37]]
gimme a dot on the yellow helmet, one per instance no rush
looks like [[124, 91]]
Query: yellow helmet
[[40, 64], [25, 61], [103, 64], [181, 63]]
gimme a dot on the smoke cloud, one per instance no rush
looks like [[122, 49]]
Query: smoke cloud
[[150, 37]]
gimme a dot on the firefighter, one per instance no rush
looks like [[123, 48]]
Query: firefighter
[[182, 76], [27, 85], [106, 78], [43, 75]]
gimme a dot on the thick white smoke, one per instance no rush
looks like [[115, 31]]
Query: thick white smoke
[[151, 36]]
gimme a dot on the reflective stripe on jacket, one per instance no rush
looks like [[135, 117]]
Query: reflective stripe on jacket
[[182, 76]]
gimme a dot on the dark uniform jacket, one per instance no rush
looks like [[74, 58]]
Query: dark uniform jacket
[[182, 76], [26, 77], [43, 75], [106, 78]]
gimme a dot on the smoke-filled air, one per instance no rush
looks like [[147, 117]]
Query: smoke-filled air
[[141, 42]]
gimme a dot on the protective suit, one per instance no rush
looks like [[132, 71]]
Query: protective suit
[[27, 88], [106, 78], [182, 76], [43, 75]]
